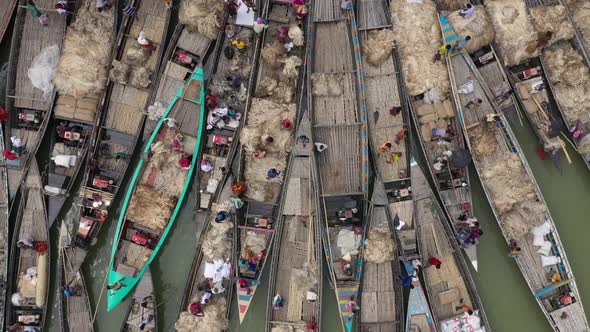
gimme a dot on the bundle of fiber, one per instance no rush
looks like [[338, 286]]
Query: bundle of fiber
[[119, 73], [82, 68], [380, 247], [450, 5], [291, 67], [201, 16], [325, 85], [418, 36], [278, 91], [552, 19], [378, 46], [273, 54], [260, 187], [137, 56], [264, 120], [296, 34], [571, 81], [523, 216], [140, 77], [508, 183], [150, 208], [581, 16], [213, 320], [217, 244], [478, 27], [303, 279], [516, 36], [240, 65]]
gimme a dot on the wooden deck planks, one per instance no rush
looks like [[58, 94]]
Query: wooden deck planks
[[35, 37], [372, 14], [333, 49], [326, 11]]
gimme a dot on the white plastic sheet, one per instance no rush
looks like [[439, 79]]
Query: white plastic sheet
[[43, 69]]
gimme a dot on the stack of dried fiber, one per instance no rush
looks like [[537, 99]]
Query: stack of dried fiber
[[82, 68], [552, 19], [478, 27], [417, 31], [202, 16], [516, 36], [213, 320], [581, 14], [378, 46]]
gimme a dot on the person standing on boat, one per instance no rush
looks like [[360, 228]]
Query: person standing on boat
[[441, 52], [467, 12]]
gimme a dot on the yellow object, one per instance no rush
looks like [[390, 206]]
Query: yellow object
[[555, 278], [239, 44], [443, 49], [41, 287]]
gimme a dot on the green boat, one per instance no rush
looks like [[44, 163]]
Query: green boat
[[157, 189]]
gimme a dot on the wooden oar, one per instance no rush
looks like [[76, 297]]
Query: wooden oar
[[542, 111]]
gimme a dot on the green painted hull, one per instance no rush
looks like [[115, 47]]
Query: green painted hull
[[114, 298]]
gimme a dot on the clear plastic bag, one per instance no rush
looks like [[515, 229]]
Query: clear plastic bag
[[43, 68]]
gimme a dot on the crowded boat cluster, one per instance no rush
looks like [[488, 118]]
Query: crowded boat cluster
[[288, 125]]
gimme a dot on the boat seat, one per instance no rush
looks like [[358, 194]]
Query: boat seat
[[126, 270], [449, 296]]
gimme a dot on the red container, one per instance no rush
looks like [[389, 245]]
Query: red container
[[139, 239]]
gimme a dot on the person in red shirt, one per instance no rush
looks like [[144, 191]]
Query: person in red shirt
[[185, 161], [3, 115], [196, 309], [10, 155], [313, 325], [435, 261]]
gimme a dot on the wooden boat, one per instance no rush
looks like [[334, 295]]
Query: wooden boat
[[157, 189], [120, 124], [75, 311], [29, 110], [7, 9], [266, 141], [213, 236], [296, 267], [451, 290], [4, 234], [143, 312], [502, 167], [576, 120], [339, 120], [29, 266], [382, 301], [451, 180]]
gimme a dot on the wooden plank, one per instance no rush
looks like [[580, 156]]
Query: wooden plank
[[6, 8]]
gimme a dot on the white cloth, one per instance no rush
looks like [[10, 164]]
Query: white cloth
[[142, 40], [206, 166], [311, 296], [17, 142], [171, 122], [16, 299], [101, 3], [545, 248], [348, 242], [259, 27], [549, 260], [212, 185], [218, 270], [66, 161], [463, 323]]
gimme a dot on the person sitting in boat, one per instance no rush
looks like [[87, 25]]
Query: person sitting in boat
[[273, 173], [386, 146], [395, 110], [345, 5], [185, 161], [441, 52], [352, 307], [461, 42], [36, 13], [70, 291], [17, 145], [116, 286], [25, 243], [205, 297], [433, 261], [244, 284], [277, 302], [103, 5], [474, 104], [259, 153], [221, 216], [407, 281], [195, 309], [61, 7], [240, 44], [143, 42], [260, 25], [513, 249], [299, 8], [467, 12], [320, 147], [145, 322], [312, 325], [206, 166]]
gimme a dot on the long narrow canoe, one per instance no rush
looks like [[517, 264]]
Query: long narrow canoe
[[120, 124], [296, 268], [157, 189], [143, 313], [439, 135], [452, 295], [522, 215], [339, 120], [7, 9], [77, 111], [28, 107], [266, 141], [381, 299], [29, 266], [75, 311]]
